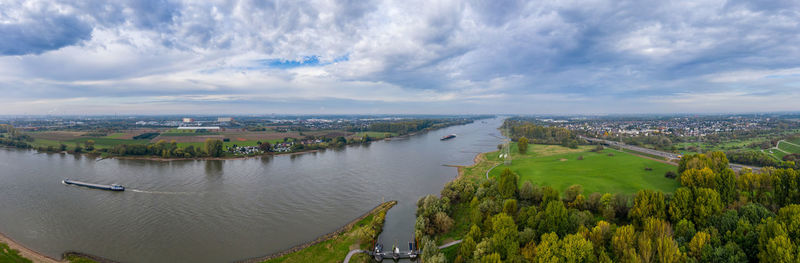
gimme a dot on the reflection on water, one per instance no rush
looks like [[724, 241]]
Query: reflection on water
[[224, 210], [214, 167]]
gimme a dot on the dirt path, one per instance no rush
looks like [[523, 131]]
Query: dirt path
[[27, 253]]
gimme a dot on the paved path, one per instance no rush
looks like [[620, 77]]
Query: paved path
[[351, 253], [450, 244], [490, 169]]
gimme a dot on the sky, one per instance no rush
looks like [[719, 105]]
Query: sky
[[394, 57]]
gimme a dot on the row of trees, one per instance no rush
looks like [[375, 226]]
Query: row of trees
[[10, 136], [211, 148], [518, 129], [760, 158], [409, 126], [715, 216]]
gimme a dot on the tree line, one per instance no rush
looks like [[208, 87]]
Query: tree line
[[409, 126], [538, 134], [715, 216]]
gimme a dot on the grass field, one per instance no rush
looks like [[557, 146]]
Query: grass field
[[115, 135], [789, 147], [597, 172]]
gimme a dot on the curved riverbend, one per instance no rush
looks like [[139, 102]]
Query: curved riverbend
[[224, 210]]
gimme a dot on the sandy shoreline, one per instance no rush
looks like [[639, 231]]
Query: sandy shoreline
[[27, 253]]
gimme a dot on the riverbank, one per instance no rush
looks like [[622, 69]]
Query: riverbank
[[332, 247], [23, 251]]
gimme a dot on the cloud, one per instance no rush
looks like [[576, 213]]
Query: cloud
[[447, 56], [41, 33]]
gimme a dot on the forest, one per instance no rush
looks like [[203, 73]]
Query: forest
[[716, 215]]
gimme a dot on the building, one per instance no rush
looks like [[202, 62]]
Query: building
[[187, 120], [224, 119]]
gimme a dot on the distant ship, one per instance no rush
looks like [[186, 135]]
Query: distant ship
[[448, 137], [113, 187]]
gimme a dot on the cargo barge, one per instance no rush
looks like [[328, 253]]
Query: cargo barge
[[448, 137], [112, 187]]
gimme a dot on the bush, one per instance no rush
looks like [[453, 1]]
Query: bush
[[671, 174]]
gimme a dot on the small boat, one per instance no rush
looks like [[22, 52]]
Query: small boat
[[395, 252], [378, 252], [112, 187], [412, 253], [448, 137]]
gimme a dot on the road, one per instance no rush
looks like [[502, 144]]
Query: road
[[668, 155]]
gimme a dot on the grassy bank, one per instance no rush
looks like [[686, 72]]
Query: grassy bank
[[335, 248], [11, 255]]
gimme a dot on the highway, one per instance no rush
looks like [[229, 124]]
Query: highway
[[670, 156]]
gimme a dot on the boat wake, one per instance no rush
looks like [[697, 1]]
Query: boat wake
[[161, 192]]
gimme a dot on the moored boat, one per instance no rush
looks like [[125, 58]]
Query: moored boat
[[112, 187]]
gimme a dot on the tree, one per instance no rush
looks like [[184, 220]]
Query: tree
[[213, 147], [505, 236], [510, 207], [726, 185], [466, 248], [667, 250], [680, 207], [526, 192], [522, 144], [265, 147], [707, 203], [576, 249], [648, 203], [548, 194], [684, 231], [699, 241], [77, 148], [779, 249], [694, 178], [89, 145], [622, 243], [443, 222], [572, 192], [554, 219], [507, 185]]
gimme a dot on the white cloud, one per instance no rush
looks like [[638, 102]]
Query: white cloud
[[528, 56]]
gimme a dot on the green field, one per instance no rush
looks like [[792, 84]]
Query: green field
[[115, 135], [597, 172], [789, 147]]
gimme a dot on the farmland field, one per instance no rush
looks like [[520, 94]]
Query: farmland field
[[607, 171]]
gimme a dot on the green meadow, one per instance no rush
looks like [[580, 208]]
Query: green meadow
[[607, 171]]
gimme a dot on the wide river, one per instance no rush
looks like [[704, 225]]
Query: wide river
[[223, 211]]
